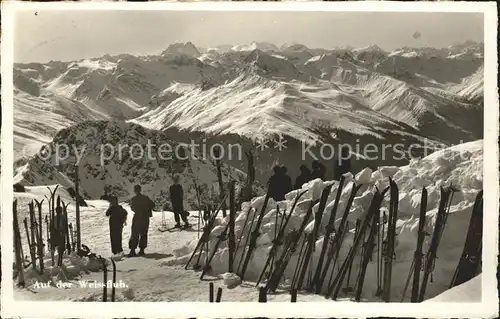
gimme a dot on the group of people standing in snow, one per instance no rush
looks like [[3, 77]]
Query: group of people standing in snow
[[279, 185], [142, 206]]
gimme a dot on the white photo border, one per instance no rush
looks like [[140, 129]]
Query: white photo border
[[487, 308]]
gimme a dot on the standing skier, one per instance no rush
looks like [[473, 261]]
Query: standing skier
[[177, 198], [304, 177], [319, 170], [142, 206], [117, 219]]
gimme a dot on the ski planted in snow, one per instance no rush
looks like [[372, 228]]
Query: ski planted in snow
[[32, 223], [40, 234], [220, 238], [223, 194], [391, 240], [418, 257], [369, 244], [336, 283], [287, 253], [18, 247], [250, 209], [300, 261], [279, 238], [348, 288], [329, 229], [338, 238], [253, 237], [30, 244], [231, 222], [205, 237], [431, 254], [470, 260], [314, 234]]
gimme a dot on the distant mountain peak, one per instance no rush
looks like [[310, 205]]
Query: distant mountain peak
[[370, 48], [263, 46], [182, 48], [294, 47]]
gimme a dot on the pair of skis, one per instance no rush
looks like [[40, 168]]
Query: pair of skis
[[369, 245], [205, 237], [289, 249], [224, 235], [174, 229], [320, 273], [336, 284], [253, 239], [470, 261], [418, 289], [227, 233], [278, 241], [310, 239], [18, 247], [391, 241], [416, 265], [431, 255], [335, 243], [105, 279]]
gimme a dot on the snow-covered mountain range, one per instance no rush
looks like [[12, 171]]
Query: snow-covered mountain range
[[254, 92]]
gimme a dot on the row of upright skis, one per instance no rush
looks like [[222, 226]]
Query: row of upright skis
[[329, 273]]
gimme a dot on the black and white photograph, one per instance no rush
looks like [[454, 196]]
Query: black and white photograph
[[267, 156]]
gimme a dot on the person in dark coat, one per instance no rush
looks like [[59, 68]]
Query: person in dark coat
[[304, 177], [142, 206], [117, 219], [287, 182], [319, 170], [177, 199], [342, 163], [280, 183]]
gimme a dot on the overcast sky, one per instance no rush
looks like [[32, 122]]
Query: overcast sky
[[73, 35]]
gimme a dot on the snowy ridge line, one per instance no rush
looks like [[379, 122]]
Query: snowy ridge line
[[453, 170], [122, 172], [259, 88]]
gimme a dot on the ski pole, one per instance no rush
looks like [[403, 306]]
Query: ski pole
[[211, 292], [219, 295], [105, 279], [113, 289], [412, 268]]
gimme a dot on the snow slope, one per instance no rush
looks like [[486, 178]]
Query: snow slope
[[256, 107], [148, 278], [472, 87], [460, 165], [469, 291]]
